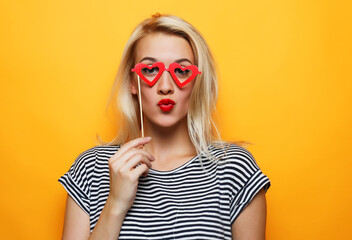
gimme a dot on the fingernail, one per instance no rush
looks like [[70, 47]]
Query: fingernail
[[148, 138]]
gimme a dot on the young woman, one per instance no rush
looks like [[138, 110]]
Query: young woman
[[181, 181]]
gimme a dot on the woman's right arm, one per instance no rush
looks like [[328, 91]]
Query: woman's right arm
[[76, 225], [124, 170]]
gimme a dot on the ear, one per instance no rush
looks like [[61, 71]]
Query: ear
[[134, 87]]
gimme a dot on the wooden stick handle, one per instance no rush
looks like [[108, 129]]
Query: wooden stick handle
[[140, 106]]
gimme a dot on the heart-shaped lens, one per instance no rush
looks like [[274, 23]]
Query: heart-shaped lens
[[150, 74], [183, 75]]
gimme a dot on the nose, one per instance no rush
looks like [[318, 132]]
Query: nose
[[165, 84]]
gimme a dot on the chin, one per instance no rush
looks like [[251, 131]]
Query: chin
[[168, 121]]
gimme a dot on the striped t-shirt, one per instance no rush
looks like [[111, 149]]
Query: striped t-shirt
[[198, 200]]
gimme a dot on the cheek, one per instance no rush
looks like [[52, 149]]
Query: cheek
[[186, 98], [147, 95], [188, 91]]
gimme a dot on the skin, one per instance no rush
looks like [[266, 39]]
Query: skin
[[169, 148]]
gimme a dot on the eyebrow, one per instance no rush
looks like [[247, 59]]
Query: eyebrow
[[148, 58], [177, 61], [183, 60]]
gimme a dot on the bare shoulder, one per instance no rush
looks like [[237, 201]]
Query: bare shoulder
[[251, 223], [76, 224]]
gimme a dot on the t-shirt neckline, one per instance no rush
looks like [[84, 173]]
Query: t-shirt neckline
[[154, 171]]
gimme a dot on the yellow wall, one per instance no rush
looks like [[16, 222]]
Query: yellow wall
[[285, 69]]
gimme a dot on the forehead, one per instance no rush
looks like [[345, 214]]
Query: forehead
[[164, 47]]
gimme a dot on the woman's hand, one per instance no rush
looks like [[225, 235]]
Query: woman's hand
[[126, 166]]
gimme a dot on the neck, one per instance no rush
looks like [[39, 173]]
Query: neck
[[169, 143]]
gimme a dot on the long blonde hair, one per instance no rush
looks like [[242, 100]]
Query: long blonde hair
[[201, 126]]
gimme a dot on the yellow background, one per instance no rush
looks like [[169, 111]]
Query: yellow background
[[285, 85]]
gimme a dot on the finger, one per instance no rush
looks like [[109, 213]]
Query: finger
[[136, 151], [129, 155], [140, 170], [127, 146], [134, 161], [137, 142]]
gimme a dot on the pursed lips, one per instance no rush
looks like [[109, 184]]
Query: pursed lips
[[166, 104]]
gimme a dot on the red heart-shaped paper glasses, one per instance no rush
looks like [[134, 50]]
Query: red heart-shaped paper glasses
[[151, 74]]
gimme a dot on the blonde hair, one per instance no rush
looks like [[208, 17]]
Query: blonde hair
[[201, 127]]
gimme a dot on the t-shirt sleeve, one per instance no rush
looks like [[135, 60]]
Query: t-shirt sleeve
[[75, 180], [248, 180]]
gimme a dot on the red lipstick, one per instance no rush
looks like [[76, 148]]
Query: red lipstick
[[166, 104]]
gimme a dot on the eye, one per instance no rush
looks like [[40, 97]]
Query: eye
[[180, 73], [150, 72]]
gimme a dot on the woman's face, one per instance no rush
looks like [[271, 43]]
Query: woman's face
[[165, 48]]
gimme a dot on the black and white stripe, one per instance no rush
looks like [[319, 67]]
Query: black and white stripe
[[198, 200]]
